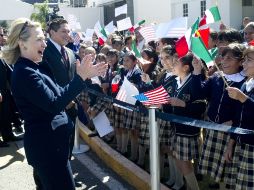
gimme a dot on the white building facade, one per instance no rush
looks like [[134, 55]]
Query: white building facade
[[157, 11]]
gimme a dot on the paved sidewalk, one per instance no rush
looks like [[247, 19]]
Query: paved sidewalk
[[88, 169]]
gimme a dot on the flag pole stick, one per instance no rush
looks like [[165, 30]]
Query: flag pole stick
[[220, 73], [154, 150]]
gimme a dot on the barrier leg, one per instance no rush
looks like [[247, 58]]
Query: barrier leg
[[78, 148], [154, 150]]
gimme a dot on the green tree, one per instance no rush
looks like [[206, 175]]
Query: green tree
[[4, 24], [41, 13]]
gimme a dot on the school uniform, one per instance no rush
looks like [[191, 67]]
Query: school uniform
[[185, 143], [169, 83], [98, 104], [131, 119], [221, 109], [144, 123], [41, 102], [245, 167]]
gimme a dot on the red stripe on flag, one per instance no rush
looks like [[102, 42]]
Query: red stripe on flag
[[182, 47], [202, 21]]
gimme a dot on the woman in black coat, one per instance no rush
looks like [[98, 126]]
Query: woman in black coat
[[41, 103]]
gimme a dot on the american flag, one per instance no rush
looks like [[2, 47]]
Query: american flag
[[127, 93], [154, 97], [148, 33], [76, 38]]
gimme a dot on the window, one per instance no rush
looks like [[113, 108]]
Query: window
[[185, 9], [202, 8], [247, 2]]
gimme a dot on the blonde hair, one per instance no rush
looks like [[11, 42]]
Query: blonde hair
[[89, 50], [19, 30], [250, 49]]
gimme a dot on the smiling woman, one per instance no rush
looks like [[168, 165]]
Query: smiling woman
[[41, 102]]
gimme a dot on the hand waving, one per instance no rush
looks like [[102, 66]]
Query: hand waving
[[87, 70]]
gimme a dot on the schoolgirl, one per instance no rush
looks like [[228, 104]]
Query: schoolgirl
[[185, 102], [244, 119], [221, 109], [131, 123]]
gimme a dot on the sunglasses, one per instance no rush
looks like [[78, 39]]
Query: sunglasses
[[23, 28]]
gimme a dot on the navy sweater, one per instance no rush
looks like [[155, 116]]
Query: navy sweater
[[245, 117], [194, 108], [221, 108]]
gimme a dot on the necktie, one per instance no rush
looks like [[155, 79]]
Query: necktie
[[65, 57]]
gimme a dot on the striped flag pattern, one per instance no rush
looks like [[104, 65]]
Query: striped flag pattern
[[176, 32], [122, 95], [127, 93], [76, 38], [148, 33], [154, 97]]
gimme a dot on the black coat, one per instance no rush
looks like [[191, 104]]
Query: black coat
[[41, 103]]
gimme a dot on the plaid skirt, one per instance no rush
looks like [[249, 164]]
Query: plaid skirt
[[212, 159], [231, 170], [131, 120], [83, 97], [185, 148], [164, 132], [245, 171], [105, 106], [118, 115]]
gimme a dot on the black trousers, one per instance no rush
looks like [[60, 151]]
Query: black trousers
[[6, 116], [54, 177]]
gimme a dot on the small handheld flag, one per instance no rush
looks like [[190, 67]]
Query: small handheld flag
[[154, 97]]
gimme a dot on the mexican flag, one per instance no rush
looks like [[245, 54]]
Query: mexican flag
[[204, 34], [133, 28], [199, 49], [100, 32], [211, 15], [135, 49], [183, 45]]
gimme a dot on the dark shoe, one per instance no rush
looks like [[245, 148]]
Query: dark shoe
[[108, 139], [125, 154], [169, 186], [13, 138], [214, 185], [93, 134], [199, 177], [77, 183], [142, 166], [3, 144], [18, 128]]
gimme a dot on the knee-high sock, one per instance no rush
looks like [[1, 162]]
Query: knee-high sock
[[119, 141], [178, 177], [172, 170], [141, 154], [134, 147], [125, 140], [162, 162], [191, 181]]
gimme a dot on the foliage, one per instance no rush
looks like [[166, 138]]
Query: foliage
[[4, 24], [41, 13]]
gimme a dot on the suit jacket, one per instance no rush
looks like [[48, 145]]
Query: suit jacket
[[41, 103], [5, 76], [54, 63]]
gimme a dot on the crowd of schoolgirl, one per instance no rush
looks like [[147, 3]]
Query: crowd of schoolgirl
[[195, 91]]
